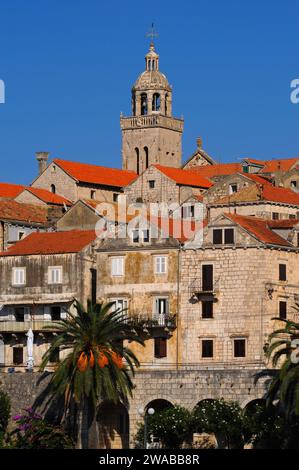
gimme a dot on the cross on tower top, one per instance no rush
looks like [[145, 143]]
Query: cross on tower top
[[152, 34]]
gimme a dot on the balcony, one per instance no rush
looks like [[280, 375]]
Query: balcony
[[152, 120], [201, 289], [12, 326], [150, 321]]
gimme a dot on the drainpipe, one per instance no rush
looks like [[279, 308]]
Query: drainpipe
[[178, 306]]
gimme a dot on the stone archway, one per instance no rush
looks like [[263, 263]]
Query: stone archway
[[159, 404], [113, 425]]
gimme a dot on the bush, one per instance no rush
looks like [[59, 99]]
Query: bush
[[33, 432], [224, 419], [4, 413], [172, 426]]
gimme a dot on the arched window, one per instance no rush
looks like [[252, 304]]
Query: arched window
[[153, 65], [156, 102], [137, 161], [53, 189], [166, 104], [146, 156], [143, 98]]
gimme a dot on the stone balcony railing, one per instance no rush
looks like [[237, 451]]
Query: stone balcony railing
[[152, 120], [155, 320], [12, 326]]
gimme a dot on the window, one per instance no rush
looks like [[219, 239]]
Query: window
[[151, 184], [137, 161], [275, 215], [54, 357], [55, 313], [188, 211], [160, 347], [19, 314], [93, 194], [207, 348], [229, 236], [292, 216], [135, 236], [294, 184], [156, 102], [120, 304], [282, 272], [53, 188], [239, 348], [17, 356], [146, 156], [21, 235], [217, 236], [233, 188], [160, 264], [19, 276], [146, 235], [115, 197], [55, 275], [207, 309], [117, 266], [282, 310], [143, 98], [161, 305], [207, 277]]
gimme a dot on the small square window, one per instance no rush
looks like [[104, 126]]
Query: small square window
[[18, 358], [55, 313], [207, 348], [207, 309], [275, 215], [294, 184], [217, 236], [233, 188], [229, 236], [19, 276], [115, 197], [117, 266], [151, 184], [93, 194], [239, 348], [55, 275]]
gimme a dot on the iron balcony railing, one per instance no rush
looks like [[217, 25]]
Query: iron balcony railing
[[200, 286], [155, 320]]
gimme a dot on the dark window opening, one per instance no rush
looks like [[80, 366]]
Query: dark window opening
[[55, 313], [233, 188], [137, 161], [239, 348], [207, 348], [54, 356], [115, 197], [146, 236], [207, 277], [160, 347], [53, 188], [19, 314], [207, 309], [282, 272], [93, 194], [292, 216], [282, 310], [18, 356], [275, 215], [156, 102], [135, 234], [294, 184], [93, 272], [151, 184], [229, 236], [217, 236], [143, 98], [146, 156]]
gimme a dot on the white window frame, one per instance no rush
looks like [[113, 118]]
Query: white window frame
[[149, 235], [230, 190], [117, 266], [135, 231], [52, 278], [159, 263], [19, 276]]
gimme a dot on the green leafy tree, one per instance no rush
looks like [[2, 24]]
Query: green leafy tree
[[224, 419], [97, 364], [172, 426], [264, 427]]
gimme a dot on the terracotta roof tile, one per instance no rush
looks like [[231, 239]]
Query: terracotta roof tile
[[48, 197], [279, 165], [255, 161], [283, 223], [48, 243], [220, 169], [14, 211], [259, 228], [10, 191], [95, 174], [185, 177], [266, 192]]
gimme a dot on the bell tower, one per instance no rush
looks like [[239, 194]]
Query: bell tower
[[151, 135]]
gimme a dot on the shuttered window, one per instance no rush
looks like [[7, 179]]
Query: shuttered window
[[160, 347], [282, 310], [117, 266], [207, 346], [19, 276], [207, 277], [282, 272]]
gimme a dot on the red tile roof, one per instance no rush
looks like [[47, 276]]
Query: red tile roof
[[14, 211], [10, 191], [48, 197], [254, 161], [185, 177], [49, 243], [221, 169], [260, 193], [257, 178], [283, 223], [279, 165], [259, 228], [95, 174], [284, 195]]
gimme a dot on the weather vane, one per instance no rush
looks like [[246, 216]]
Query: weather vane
[[152, 33]]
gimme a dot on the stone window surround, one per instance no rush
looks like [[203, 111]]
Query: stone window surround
[[52, 276], [16, 270]]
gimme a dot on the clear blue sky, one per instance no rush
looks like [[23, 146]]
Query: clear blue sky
[[69, 65]]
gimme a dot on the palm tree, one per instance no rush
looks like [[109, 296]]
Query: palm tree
[[97, 364], [284, 382]]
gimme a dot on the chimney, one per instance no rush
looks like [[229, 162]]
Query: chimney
[[42, 158], [199, 142]]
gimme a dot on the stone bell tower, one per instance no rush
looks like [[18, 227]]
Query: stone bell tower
[[151, 135]]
